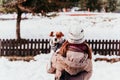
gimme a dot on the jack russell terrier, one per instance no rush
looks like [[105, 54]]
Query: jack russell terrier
[[56, 40]]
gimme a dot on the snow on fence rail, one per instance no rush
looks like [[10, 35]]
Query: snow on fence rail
[[32, 47]]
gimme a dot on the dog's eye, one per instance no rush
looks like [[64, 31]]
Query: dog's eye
[[82, 30], [55, 39]]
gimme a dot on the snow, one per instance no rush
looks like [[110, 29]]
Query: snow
[[39, 27], [100, 26], [36, 70]]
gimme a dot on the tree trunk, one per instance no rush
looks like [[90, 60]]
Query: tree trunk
[[18, 24]]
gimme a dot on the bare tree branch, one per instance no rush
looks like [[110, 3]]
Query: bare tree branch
[[25, 9]]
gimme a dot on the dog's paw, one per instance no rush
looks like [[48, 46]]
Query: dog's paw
[[51, 70], [57, 78]]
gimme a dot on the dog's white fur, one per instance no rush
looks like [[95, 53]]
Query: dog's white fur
[[56, 40]]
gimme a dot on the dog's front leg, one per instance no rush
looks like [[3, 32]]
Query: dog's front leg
[[58, 75], [50, 69]]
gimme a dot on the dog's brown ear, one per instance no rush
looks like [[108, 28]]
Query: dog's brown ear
[[61, 34], [51, 34]]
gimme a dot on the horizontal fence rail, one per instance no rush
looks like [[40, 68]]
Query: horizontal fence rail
[[32, 47]]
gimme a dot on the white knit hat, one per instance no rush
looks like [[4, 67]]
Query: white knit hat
[[75, 34]]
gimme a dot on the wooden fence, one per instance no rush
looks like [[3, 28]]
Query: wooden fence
[[24, 47], [32, 47], [105, 47]]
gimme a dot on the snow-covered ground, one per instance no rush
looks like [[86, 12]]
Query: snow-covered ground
[[100, 26]]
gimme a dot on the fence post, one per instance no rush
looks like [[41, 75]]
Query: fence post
[[0, 46]]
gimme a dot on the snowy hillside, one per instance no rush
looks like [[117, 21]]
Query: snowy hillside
[[100, 26], [39, 27]]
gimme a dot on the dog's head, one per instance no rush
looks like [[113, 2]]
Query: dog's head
[[56, 39], [56, 36]]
